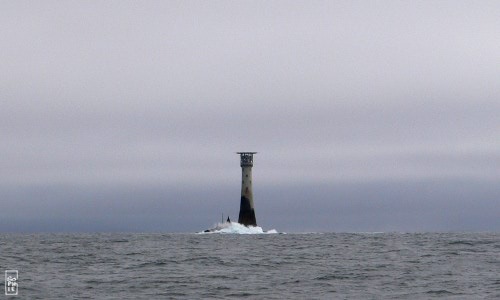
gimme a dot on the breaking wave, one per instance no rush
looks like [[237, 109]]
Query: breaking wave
[[237, 228]]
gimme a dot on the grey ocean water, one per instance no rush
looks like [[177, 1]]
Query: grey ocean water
[[275, 266]]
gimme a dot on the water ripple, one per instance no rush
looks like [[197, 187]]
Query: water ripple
[[292, 266]]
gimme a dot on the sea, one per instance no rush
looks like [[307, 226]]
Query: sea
[[254, 265]]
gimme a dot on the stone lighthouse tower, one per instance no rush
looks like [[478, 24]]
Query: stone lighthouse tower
[[247, 211]]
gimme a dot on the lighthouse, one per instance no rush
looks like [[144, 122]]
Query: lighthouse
[[247, 211]]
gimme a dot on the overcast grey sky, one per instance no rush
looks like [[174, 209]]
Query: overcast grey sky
[[367, 115]]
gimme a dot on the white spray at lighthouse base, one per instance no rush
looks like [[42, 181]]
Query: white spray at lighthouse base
[[237, 228]]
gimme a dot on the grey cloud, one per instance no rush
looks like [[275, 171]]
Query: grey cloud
[[161, 92], [444, 205]]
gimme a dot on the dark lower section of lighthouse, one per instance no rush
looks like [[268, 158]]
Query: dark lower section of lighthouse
[[247, 213]]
